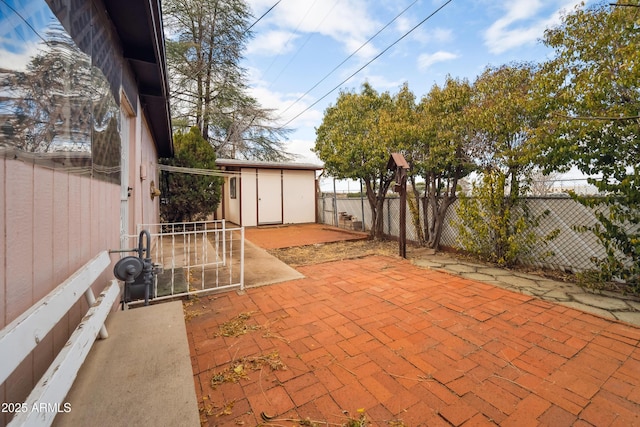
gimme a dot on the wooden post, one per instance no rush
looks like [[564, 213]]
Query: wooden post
[[402, 239], [400, 165]]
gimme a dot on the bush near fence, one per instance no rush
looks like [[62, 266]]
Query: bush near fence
[[572, 250]]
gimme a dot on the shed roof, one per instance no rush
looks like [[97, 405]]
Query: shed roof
[[139, 27], [237, 163]]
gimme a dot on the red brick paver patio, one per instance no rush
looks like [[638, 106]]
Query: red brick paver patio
[[401, 343]]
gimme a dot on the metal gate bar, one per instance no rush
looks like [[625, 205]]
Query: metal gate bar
[[195, 257]]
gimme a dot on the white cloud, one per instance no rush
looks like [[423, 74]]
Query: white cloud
[[524, 22], [346, 21], [18, 61], [272, 43], [281, 103], [426, 60], [382, 83], [301, 149], [423, 34]]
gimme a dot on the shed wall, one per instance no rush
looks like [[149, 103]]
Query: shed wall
[[249, 197], [232, 205], [290, 191], [299, 198]]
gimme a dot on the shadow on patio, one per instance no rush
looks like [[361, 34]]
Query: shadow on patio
[[381, 339]]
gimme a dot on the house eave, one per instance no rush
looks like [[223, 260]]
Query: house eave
[[138, 24]]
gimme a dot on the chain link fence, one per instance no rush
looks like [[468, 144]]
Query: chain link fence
[[570, 251]]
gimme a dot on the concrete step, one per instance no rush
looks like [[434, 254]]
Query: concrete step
[[140, 376]]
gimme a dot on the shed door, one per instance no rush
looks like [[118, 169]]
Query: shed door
[[269, 197]]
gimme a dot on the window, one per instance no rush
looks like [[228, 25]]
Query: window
[[232, 187], [56, 106]]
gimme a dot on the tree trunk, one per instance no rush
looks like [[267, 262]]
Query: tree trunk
[[376, 203], [440, 213], [425, 217], [439, 204], [414, 208]]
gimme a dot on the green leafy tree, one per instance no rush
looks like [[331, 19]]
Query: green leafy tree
[[593, 83], [190, 197], [441, 154], [205, 42], [496, 231], [400, 128], [504, 114], [352, 145]]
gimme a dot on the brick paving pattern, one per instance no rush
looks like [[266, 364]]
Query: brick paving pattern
[[413, 347]]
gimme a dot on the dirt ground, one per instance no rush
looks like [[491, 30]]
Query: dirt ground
[[334, 251]]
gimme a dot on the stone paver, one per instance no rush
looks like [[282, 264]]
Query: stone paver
[[606, 304], [420, 344]]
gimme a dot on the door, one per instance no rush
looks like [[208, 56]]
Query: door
[[269, 196]]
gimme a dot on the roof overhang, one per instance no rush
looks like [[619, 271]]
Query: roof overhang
[[139, 27], [236, 163]]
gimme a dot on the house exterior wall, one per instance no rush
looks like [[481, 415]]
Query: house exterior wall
[[53, 222], [299, 196], [143, 170], [57, 215]]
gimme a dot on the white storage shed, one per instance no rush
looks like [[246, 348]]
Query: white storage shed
[[268, 193]]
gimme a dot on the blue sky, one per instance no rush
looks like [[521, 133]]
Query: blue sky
[[18, 39], [300, 42]]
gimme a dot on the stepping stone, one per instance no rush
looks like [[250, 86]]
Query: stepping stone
[[589, 309], [605, 303], [557, 295], [521, 282], [632, 317], [479, 277], [424, 263], [461, 268], [494, 271]]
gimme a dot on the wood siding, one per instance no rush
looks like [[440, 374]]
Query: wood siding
[[51, 222]]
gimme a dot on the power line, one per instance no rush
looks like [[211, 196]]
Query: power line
[[291, 36], [349, 57], [263, 15], [303, 44], [25, 21], [368, 63]]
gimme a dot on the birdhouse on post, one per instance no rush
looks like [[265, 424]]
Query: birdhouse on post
[[398, 164]]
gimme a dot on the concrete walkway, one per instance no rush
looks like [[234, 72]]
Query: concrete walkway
[[139, 376], [605, 304]]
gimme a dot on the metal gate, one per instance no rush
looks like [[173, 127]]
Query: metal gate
[[195, 257]]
